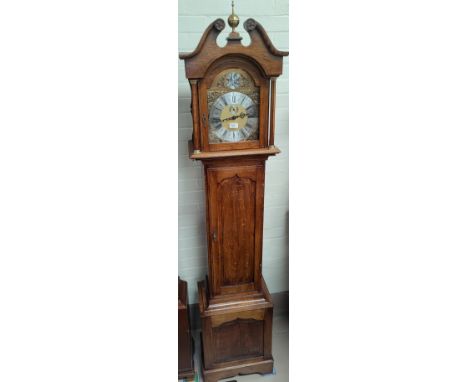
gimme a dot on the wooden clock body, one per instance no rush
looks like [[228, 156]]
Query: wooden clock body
[[235, 305]]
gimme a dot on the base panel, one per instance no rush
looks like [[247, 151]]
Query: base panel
[[259, 367], [236, 337]]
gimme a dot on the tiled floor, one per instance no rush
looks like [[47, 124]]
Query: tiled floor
[[280, 355]]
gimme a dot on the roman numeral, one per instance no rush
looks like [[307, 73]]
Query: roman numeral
[[226, 135], [246, 102], [244, 133], [223, 100]]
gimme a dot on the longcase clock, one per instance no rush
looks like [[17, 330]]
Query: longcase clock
[[233, 109]]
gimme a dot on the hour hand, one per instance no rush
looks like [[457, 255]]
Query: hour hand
[[241, 115], [230, 118]]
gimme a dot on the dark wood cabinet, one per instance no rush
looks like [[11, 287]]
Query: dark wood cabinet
[[185, 347], [233, 112]]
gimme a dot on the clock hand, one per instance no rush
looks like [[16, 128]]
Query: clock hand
[[229, 118], [241, 115]]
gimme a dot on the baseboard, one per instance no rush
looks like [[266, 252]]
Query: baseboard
[[280, 308]]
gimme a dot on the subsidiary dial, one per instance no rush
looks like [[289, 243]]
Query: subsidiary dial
[[233, 80]]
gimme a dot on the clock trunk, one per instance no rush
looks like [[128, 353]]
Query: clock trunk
[[234, 190]]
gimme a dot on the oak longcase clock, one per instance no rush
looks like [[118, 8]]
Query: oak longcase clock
[[233, 92]]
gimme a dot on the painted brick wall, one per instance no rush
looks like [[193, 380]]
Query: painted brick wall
[[194, 17]]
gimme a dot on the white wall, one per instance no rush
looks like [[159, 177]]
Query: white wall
[[194, 17]]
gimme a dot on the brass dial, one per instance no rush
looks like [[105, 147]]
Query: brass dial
[[234, 117]]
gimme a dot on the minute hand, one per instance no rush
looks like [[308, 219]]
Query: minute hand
[[241, 115]]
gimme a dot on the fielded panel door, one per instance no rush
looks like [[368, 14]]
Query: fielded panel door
[[235, 221]]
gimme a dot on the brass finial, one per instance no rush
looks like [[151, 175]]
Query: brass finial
[[233, 21]]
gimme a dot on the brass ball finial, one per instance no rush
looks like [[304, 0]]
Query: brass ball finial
[[233, 19]]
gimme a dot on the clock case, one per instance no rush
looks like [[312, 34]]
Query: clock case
[[236, 309]]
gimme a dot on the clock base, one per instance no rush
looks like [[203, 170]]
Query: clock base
[[255, 367], [236, 335]]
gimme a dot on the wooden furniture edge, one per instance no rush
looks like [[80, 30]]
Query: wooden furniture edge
[[269, 151], [186, 373], [234, 307], [189, 374], [182, 303], [260, 367]]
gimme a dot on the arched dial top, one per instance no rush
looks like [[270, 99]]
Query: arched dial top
[[233, 102]]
